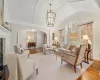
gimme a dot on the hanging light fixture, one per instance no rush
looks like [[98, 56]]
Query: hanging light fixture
[[50, 17]]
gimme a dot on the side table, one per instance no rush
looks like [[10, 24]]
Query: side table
[[87, 51]]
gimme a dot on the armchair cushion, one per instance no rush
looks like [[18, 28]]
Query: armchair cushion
[[66, 46], [73, 55], [71, 47], [68, 57], [75, 50]]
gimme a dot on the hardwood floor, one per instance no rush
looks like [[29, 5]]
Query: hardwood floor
[[93, 72]]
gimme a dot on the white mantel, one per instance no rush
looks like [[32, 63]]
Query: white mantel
[[4, 33]]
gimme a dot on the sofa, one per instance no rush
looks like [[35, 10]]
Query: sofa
[[20, 66], [65, 48]]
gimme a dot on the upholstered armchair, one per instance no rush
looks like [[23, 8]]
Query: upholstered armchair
[[47, 48], [16, 49], [19, 50], [75, 58]]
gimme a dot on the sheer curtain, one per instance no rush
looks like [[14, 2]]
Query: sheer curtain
[[87, 29]]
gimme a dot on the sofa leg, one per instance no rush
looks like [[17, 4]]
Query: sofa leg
[[37, 71], [61, 61], [81, 64], [75, 69]]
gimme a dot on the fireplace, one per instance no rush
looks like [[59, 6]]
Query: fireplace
[[3, 70], [1, 55]]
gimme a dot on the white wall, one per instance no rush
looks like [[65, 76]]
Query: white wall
[[96, 39], [39, 42], [22, 39]]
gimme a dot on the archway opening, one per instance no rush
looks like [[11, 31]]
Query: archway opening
[[31, 38]]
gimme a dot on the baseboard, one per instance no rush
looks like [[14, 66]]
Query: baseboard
[[95, 60]]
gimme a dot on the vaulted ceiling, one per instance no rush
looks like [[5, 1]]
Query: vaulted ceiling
[[34, 11]]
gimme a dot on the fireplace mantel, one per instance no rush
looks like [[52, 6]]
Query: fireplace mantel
[[4, 29], [6, 35]]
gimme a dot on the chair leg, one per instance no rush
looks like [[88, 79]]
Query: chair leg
[[61, 61], [75, 68], [81, 64]]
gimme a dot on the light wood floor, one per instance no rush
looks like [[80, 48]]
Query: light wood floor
[[93, 72]]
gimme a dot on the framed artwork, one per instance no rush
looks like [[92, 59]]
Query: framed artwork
[[73, 36], [1, 10], [2, 23]]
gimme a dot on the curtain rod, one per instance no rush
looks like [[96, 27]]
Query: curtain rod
[[86, 23], [80, 24]]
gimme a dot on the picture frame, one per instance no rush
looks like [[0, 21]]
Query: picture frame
[[1, 10], [6, 25]]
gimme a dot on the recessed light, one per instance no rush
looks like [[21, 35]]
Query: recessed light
[[33, 30]]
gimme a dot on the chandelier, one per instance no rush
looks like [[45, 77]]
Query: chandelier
[[50, 17]]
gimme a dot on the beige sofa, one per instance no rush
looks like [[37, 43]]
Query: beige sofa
[[20, 67], [66, 48]]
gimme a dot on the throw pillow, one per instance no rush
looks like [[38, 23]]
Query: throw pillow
[[75, 50], [71, 47]]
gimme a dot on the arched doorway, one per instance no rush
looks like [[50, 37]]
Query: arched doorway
[[32, 38]]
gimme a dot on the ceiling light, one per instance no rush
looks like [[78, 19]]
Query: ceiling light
[[33, 30], [50, 17]]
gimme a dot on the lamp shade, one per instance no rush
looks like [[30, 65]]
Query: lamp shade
[[56, 39], [85, 37]]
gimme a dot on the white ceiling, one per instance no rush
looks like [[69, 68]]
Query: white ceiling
[[34, 11]]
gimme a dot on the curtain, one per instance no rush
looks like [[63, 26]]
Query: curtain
[[87, 30]]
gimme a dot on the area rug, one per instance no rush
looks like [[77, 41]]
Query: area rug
[[51, 69]]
